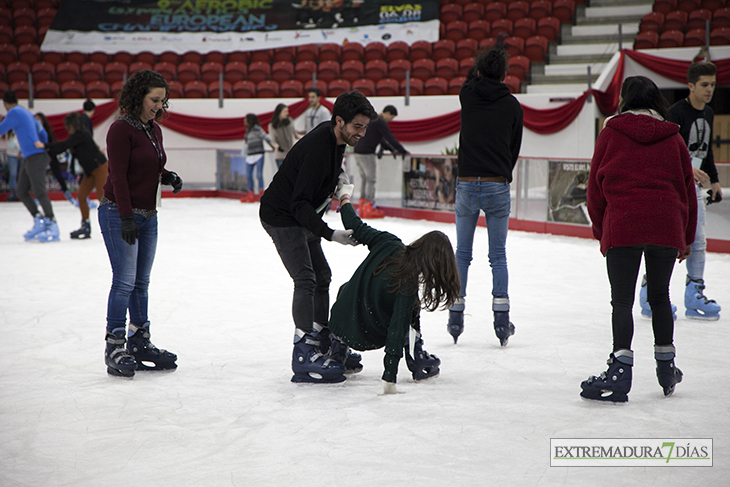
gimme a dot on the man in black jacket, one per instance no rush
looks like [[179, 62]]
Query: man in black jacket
[[291, 213], [489, 144]]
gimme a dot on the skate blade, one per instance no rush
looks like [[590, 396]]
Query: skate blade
[[354, 370], [617, 400], [421, 379], [695, 315], [153, 367], [315, 378], [124, 374]]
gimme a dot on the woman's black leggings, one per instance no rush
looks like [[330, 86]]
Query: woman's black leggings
[[623, 269], [56, 170]]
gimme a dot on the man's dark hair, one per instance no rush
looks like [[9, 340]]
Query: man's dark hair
[[639, 92], [492, 64], [89, 105], [316, 91], [696, 70], [391, 109], [10, 97], [350, 104]]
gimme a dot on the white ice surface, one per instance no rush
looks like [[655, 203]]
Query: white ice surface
[[229, 416]]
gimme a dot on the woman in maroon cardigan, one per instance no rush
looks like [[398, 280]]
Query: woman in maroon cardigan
[[641, 200], [128, 221]]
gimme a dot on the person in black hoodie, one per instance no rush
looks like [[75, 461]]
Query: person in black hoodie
[[291, 213], [489, 144]]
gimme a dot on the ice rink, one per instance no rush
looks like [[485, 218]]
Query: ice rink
[[229, 416]]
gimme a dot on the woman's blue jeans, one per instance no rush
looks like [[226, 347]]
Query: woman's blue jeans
[[131, 267], [696, 261], [494, 199], [259, 174]]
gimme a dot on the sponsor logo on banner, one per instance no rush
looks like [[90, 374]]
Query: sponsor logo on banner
[[631, 452]]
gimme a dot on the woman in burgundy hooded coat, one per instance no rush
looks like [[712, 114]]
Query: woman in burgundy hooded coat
[[641, 200]]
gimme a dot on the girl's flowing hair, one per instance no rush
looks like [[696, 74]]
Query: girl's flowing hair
[[428, 263]]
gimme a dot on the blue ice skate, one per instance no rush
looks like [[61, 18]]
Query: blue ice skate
[[614, 384], [698, 306], [38, 226], [455, 327], [310, 364], [644, 302], [70, 198], [422, 364], [667, 373], [50, 233]]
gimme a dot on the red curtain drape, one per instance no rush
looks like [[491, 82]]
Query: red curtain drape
[[541, 121]]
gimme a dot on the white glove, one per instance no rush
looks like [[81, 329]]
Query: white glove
[[343, 178], [344, 190], [344, 237], [389, 388]]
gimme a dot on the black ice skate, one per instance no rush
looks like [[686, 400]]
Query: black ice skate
[[148, 356], [455, 327], [503, 327], [118, 361], [614, 384], [341, 353], [667, 373], [83, 232], [422, 364], [309, 362]]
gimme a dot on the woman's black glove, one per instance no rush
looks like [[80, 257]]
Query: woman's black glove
[[130, 232], [172, 179]]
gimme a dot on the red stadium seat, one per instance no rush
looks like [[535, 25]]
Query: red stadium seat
[[664, 6], [352, 70], [167, 70], [471, 12], [288, 54], [8, 54], [330, 51], [387, 87], [397, 69], [192, 57], [186, 72], [423, 69], [116, 88], [443, 48], [416, 87], [29, 53], [515, 46], [48, 89], [446, 68], [196, 89], [455, 85], [53, 57], [91, 71], [646, 40], [364, 86], [24, 34], [695, 38], [66, 72], [353, 51], [687, 5], [282, 71], [518, 10], [114, 72], [540, 9], [217, 57], [548, 27], [456, 30], [177, 90], [24, 16], [267, 89], [488, 43], [291, 88], [501, 26], [465, 48], [420, 50], [45, 16], [100, 58], [77, 57], [479, 29], [495, 11], [20, 88], [7, 36], [720, 18], [675, 21], [465, 66], [322, 87], [304, 70], [127, 58], [397, 50], [564, 10], [239, 56], [720, 36], [672, 38], [712, 5], [17, 71], [210, 72], [512, 83], [435, 86], [519, 67], [698, 19], [214, 89], [450, 12], [261, 56], [651, 22], [328, 71], [172, 57], [150, 58], [307, 52], [375, 51], [41, 72], [140, 66], [257, 72], [235, 71], [244, 89], [73, 89], [98, 89], [376, 69], [536, 47], [337, 87], [526, 27]]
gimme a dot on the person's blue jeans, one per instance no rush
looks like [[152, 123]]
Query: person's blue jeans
[[131, 267], [13, 165], [301, 253], [259, 164], [494, 199], [696, 261]]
